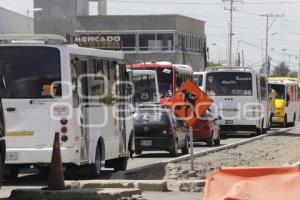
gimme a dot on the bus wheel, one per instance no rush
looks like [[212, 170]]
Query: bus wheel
[[120, 164], [11, 173], [294, 120], [285, 124], [95, 169], [264, 130], [2, 168]]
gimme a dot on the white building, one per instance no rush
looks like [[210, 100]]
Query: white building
[[15, 23]]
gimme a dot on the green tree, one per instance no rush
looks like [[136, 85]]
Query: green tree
[[281, 70], [212, 64]]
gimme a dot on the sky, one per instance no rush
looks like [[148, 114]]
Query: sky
[[248, 27]]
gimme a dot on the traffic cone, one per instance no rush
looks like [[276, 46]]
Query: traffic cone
[[56, 180]]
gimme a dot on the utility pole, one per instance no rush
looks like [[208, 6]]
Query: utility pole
[[243, 59], [299, 67], [268, 27], [230, 33]]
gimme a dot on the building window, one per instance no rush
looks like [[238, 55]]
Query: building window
[[128, 42], [165, 42], [147, 42]]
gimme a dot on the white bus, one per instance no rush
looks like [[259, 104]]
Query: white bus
[[145, 86], [286, 100], [240, 98], [48, 86]]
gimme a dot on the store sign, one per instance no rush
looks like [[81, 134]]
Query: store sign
[[110, 42]]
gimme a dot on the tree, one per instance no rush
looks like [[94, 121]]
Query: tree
[[293, 74], [212, 64], [281, 70]]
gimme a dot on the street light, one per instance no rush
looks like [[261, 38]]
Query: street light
[[283, 54]]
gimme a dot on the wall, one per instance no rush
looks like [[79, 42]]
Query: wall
[[12, 22]]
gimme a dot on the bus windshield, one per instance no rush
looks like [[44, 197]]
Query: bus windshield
[[280, 90], [165, 80], [145, 88], [28, 72], [229, 84], [198, 79]]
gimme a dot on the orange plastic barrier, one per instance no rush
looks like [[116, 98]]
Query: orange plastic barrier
[[269, 183]]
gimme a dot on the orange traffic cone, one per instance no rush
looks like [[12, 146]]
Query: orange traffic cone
[[56, 180]]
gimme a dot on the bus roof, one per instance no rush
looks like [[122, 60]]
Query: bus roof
[[142, 72], [221, 68], [282, 79], [179, 67]]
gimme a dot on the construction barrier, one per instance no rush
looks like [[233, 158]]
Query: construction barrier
[[265, 183]]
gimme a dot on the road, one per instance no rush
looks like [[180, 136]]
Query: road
[[34, 180]]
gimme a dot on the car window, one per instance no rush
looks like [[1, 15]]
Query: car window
[[156, 116]]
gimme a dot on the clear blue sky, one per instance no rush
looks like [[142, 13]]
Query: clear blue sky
[[248, 26]]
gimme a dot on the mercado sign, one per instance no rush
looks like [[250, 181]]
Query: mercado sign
[[98, 41]]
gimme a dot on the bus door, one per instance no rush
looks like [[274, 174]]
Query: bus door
[[81, 91]]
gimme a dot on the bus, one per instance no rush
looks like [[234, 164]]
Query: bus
[[240, 98], [2, 145], [170, 76], [48, 86], [199, 78], [145, 86], [286, 100]]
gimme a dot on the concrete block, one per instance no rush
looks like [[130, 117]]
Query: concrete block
[[191, 186], [150, 185], [107, 184], [74, 194]]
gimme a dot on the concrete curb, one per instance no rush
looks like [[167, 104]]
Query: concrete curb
[[144, 185], [229, 146], [74, 194]]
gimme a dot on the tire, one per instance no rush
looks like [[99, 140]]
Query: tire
[[285, 124], [264, 130], [95, 168], [185, 148], [174, 150], [294, 120], [2, 169], [11, 173], [120, 164], [217, 142]]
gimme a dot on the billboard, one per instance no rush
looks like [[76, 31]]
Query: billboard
[[98, 41]]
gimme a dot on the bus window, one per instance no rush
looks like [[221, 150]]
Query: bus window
[[280, 91], [165, 81], [263, 88], [229, 84], [145, 88], [198, 79], [28, 72]]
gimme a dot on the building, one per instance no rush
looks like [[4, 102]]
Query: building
[[15, 23], [175, 38]]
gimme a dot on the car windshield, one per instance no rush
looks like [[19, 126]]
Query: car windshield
[[28, 72], [279, 89], [229, 84]]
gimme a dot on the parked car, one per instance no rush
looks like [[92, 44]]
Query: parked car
[[207, 130], [157, 128]]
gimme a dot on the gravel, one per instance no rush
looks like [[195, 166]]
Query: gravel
[[275, 150]]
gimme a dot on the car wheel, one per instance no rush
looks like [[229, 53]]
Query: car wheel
[[95, 168], [185, 149], [210, 142], [217, 142], [174, 151]]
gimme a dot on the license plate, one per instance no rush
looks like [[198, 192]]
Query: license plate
[[146, 143], [11, 156], [228, 122]]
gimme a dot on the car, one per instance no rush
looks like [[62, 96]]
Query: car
[[207, 130], [157, 128]]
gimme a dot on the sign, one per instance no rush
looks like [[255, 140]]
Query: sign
[[189, 102], [98, 41]]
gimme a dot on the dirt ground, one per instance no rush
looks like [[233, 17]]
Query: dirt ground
[[276, 150]]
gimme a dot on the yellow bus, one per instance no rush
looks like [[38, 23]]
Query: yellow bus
[[286, 101]]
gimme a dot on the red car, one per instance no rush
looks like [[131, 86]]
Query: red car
[[207, 130]]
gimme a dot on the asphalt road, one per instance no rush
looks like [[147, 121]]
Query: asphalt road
[[31, 179]]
